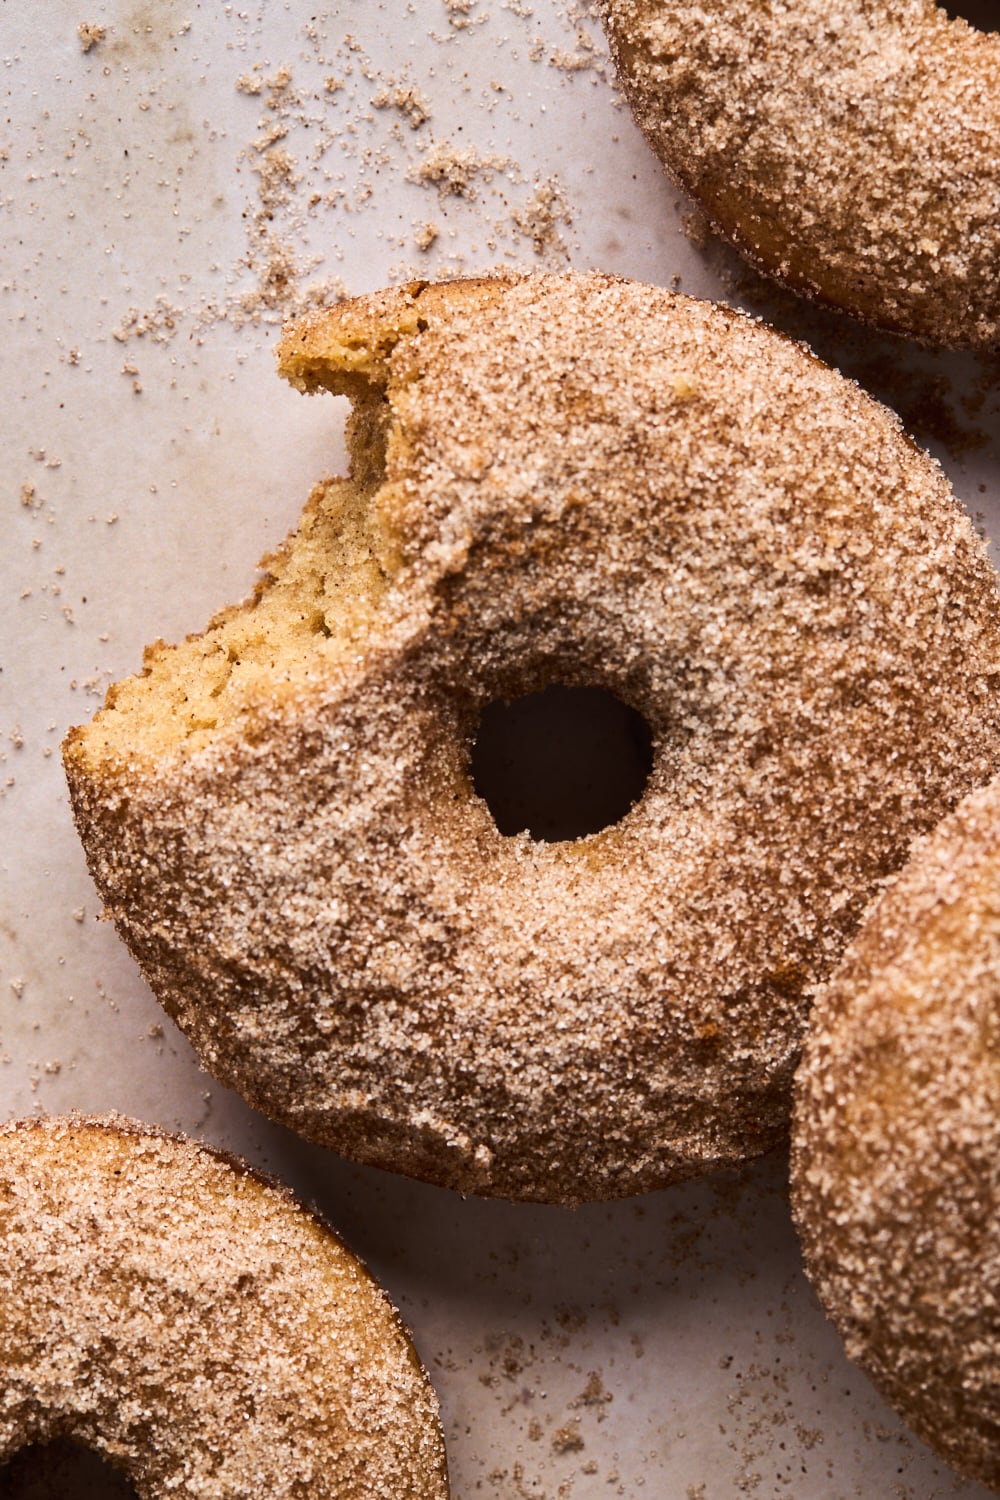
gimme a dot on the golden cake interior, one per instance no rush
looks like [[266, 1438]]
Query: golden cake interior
[[320, 589]]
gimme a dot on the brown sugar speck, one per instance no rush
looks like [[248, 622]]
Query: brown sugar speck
[[697, 228], [158, 324]]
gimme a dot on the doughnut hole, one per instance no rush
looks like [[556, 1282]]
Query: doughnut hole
[[62, 1470], [561, 763], [981, 15]]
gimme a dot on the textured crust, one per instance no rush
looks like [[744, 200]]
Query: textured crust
[[846, 147], [602, 484], [186, 1318], [896, 1161]]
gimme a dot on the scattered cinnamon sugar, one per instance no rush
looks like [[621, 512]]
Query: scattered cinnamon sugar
[[407, 99], [540, 217], [319, 155], [454, 170]]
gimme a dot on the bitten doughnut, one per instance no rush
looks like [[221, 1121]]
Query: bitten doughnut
[[846, 147], [896, 1163], [190, 1322], [571, 480]]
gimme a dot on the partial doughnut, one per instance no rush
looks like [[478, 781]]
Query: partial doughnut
[[173, 1311], [896, 1161], [558, 479], [846, 147]]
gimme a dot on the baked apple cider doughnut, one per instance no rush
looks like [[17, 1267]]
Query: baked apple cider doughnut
[[896, 1162], [846, 147], [171, 1310], [555, 480]]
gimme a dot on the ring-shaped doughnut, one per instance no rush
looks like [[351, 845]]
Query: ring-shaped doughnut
[[186, 1319], [896, 1161], [566, 479], [846, 147]]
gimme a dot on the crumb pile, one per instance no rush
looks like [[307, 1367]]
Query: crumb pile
[[847, 148], [558, 479], [175, 1312], [896, 1165]]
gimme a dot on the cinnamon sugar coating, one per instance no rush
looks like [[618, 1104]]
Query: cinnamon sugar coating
[[846, 147], [896, 1160], [567, 479], [188, 1320]]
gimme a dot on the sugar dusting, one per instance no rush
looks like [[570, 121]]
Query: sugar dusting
[[315, 164], [897, 1142], [174, 1311], [867, 177]]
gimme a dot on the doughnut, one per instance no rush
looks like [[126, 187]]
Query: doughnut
[[554, 480], [896, 1144], [173, 1311], [845, 147]]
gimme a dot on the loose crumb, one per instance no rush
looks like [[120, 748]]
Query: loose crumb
[[91, 34], [425, 236]]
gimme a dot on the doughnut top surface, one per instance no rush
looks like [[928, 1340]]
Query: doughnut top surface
[[187, 1319], [896, 1163], [846, 147], [559, 479]]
